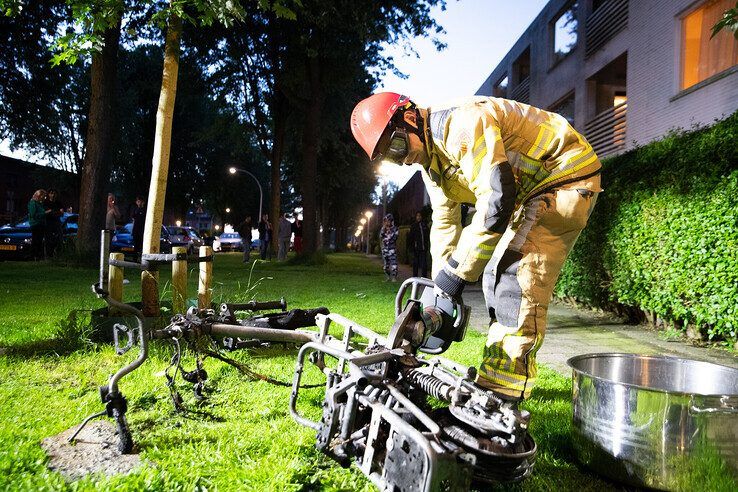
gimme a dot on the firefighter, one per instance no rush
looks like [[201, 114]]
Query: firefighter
[[533, 181]]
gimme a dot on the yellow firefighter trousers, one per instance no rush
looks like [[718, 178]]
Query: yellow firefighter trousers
[[519, 280]]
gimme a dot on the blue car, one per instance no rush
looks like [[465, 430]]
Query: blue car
[[15, 240], [122, 240]]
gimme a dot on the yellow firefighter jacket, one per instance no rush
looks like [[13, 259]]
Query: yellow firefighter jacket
[[466, 141]]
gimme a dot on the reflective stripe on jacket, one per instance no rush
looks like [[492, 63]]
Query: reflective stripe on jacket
[[472, 138]]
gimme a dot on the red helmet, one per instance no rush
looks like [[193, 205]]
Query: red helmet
[[371, 116]]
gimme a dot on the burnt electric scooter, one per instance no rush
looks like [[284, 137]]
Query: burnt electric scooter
[[408, 419]]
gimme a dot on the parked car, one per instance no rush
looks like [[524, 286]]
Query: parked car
[[122, 240], [185, 237], [228, 241], [197, 241], [15, 239]]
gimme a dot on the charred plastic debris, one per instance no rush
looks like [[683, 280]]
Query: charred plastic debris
[[407, 418]]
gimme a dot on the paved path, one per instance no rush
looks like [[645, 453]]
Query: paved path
[[573, 332]]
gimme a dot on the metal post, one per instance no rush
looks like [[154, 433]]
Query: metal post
[[368, 230], [261, 192], [105, 236], [179, 282], [115, 283]]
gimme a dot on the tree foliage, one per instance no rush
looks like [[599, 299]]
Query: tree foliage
[[728, 21], [276, 90], [334, 45], [43, 108], [207, 137]]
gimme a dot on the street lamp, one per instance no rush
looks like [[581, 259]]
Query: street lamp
[[234, 170], [228, 210], [178, 222], [384, 171], [362, 221], [368, 214]]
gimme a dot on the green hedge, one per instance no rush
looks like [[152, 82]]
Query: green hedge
[[663, 238]]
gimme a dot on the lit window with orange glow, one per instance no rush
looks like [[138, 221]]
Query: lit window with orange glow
[[703, 57]]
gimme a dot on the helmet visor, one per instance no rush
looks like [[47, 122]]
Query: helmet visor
[[393, 146]]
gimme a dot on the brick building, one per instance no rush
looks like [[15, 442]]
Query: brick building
[[624, 72], [20, 179], [408, 200]]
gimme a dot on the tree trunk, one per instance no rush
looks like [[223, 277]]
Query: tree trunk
[[280, 128], [160, 162], [100, 134], [310, 148]]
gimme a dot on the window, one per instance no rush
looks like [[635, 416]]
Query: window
[[565, 32], [521, 67], [703, 57], [565, 108], [596, 4], [500, 88]]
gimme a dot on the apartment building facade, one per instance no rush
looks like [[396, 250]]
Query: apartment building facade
[[624, 72]]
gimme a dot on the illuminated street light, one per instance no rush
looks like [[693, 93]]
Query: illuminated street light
[[228, 210], [368, 215], [217, 227], [362, 221], [384, 171], [179, 223]]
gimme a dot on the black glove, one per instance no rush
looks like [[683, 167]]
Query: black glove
[[449, 284]]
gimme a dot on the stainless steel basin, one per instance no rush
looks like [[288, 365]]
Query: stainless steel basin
[[655, 421]]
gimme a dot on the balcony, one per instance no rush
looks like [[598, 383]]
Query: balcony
[[603, 24], [606, 132], [521, 92]]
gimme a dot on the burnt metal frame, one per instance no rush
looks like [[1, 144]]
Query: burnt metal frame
[[369, 414]]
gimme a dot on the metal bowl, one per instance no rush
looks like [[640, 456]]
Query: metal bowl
[[655, 421]]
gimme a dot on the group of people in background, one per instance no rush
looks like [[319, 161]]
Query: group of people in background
[[285, 230], [44, 213], [418, 243], [136, 213]]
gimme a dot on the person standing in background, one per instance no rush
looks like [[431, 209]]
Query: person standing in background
[[244, 230], [265, 237], [37, 221], [418, 242], [297, 231], [112, 214], [53, 233], [138, 215], [388, 235], [284, 234]]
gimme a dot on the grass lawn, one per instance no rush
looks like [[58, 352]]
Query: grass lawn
[[243, 437]]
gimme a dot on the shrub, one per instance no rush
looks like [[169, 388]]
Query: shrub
[[664, 235]]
